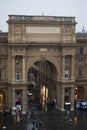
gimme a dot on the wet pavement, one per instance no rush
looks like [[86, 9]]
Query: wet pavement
[[51, 120], [7, 122], [56, 120]]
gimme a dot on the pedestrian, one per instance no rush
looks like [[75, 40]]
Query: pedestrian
[[70, 121], [46, 107], [40, 123], [33, 128], [34, 122], [36, 127]]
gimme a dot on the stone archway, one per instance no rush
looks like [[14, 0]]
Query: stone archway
[[43, 80], [50, 59]]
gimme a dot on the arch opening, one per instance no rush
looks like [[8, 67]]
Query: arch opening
[[42, 82]]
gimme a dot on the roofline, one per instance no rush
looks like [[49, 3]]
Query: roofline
[[43, 16]]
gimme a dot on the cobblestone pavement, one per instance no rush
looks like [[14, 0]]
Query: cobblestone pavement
[[51, 120], [56, 120], [7, 122]]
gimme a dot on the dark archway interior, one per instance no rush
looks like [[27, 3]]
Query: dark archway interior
[[42, 80]]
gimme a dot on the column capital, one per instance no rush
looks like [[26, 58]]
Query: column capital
[[23, 56], [13, 56]]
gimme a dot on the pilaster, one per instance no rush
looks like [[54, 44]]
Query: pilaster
[[62, 100], [73, 68], [63, 67], [72, 99], [23, 68], [13, 68], [13, 97], [24, 102]]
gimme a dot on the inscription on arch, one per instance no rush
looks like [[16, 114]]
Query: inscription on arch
[[42, 30]]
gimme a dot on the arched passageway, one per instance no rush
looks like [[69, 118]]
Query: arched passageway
[[42, 82]]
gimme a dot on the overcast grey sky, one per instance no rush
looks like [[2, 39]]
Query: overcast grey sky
[[77, 8]]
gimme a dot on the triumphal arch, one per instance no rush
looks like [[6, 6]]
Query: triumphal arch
[[41, 60]]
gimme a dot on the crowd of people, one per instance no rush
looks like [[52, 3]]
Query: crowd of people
[[49, 105]]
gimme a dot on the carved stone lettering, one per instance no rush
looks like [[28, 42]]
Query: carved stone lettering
[[42, 30]]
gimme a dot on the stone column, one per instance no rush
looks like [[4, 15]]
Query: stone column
[[24, 102], [13, 97], [73, 68], [72, 99], [62, 100], [24, 39], [9, 96], [23, 69], [63, 67], [13, 69], [58, 96], [13, 101], [9, 66]]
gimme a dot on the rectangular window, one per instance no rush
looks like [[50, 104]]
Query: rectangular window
[[80, 72], [80, 61], [18, 60], [67, 61], [17, 75], [66, 74], [81, 50]]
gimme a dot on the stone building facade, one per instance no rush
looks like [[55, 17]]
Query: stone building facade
[[42, 59]]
